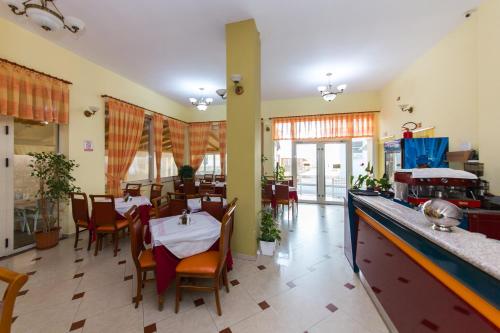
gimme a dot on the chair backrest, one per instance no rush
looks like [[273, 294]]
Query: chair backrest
[[267, 192], [214, 205], [155, 191], [208, 177], [225, 235], [177, 185], [79, 207], [177, 202], [136, 234], [190, 187], [220, 178], [15, 282], [282, 192], [103, 209], [160, 205], [133, 189], [206, 188]]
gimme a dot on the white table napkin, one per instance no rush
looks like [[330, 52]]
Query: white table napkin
[[185, 240], [122, 207]]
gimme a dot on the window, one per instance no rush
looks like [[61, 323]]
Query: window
[[143, 167], [283, 155], [362, 154], [140, 167], [210, 165]]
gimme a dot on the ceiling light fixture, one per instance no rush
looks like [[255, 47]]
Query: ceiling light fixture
[[201, 103], [327, 92], [222, 93], [45, 14]]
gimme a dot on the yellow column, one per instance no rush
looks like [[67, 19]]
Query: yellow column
[[243, 132]]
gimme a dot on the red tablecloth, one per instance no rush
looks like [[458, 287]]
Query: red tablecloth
[[166, 263]]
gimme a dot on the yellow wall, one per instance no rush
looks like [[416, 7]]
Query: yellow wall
[[90, 81], [488, 90], [454, 87]]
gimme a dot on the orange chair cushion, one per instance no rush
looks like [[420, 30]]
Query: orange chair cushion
[[146, 259], [204, 263], [120, 224]]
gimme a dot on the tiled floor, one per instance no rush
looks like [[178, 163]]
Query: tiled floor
[[307, 286]]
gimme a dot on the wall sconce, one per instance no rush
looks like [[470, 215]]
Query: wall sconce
[[238, 89], [406, 108], [222, 93], [91, 111]]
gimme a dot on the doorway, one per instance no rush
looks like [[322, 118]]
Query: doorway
[[322, 170], [18, 196]]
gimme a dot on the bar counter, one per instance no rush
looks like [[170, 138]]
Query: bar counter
[[420, 279]]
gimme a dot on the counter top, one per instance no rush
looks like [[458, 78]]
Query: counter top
[[474, 248]]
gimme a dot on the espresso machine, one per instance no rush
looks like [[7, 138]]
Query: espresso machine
[[464, 193]]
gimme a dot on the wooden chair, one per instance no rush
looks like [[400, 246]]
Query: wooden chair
[[80, 211], [206, 188], [160, 207], [213, 204], [104, 215], [208, 177], [282, 195], [143, 258], [177, 185], [155, 191], [177, 202], [220, 178], [267, 195], [206, 265], [15, 282], [133, 189], [190, 188]]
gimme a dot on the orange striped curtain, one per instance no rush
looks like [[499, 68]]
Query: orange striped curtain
[[33, 96], [125, 129], [158, 138], [177, 133], [198, 141], [222, 146], [324, 127]]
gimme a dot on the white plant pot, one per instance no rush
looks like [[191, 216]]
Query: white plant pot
[[267, 248]]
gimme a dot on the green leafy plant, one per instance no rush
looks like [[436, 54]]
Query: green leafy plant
[[279, 172], [269, 229], [384, 184], [367, 179], [55, 182], [186, 172], [263, 181]]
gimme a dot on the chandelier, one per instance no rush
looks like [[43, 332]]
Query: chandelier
[[327, 92], [201, 103], [45, 14]]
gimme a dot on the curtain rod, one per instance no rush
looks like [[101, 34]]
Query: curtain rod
[[323, 114], [140, 107], [34, 70]]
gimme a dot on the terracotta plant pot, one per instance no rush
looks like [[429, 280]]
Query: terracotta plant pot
[[47, 240]]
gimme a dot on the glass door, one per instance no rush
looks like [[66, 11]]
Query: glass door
[[6, 190], [321, 171]]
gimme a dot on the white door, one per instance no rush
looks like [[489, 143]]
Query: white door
[[6, 188], [322, 170]]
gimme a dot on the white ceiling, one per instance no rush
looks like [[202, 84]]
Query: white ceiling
[[177, 46]]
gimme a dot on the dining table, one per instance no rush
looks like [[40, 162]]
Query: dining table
[[219, 186], [194, 204], [173, 241]]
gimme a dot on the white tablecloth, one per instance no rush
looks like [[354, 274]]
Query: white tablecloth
[[217, 184], [122, 207], [194, 205], [185, 240]]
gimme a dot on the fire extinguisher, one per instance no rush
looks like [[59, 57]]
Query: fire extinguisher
[[407, 131]]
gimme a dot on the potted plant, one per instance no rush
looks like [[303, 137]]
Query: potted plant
[[383, 186], [279, 172], [186, 172], [368, 180], [269, 232], [53, 172]]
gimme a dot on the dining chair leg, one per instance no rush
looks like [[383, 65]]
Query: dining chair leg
[[115, 239], [217, 300], [144, 278], [226, 282], [139, 289], [177, 293], [97, 241], [90, 240], [161, 300], [76, 236]]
